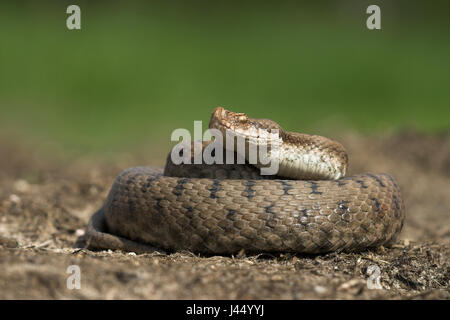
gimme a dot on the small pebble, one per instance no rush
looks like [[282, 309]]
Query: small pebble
[[14, 198], [320, 289], [21, 185]]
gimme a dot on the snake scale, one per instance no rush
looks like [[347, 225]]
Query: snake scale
[[226, 208]]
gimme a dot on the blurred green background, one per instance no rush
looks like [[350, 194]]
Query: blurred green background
[[137, 70]]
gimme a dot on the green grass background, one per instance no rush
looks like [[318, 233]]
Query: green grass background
[[136, 71]]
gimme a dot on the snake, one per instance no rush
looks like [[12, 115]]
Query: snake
[[310, 206]]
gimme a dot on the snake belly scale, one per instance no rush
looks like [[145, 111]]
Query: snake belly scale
[[223, 209]]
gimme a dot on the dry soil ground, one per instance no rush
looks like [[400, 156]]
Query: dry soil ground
[[46, 200]]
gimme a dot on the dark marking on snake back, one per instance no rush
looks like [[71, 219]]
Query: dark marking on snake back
[[286, 186], [248, 189], [150, 180], [314, 187], [377, 204], [340, 182], [129, 182], [361, 183], [230, 213], [131, 178], [397, 206], [342, 205], [377, 179], [189, 211], [178, 190], [158, 203], [214, 188], [391, 179]]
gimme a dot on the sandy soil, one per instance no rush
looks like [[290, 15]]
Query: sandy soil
[[46, 201]]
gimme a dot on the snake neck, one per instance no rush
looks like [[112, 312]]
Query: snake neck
[[306, 157]]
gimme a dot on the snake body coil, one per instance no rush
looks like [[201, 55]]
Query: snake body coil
[[223, 209]]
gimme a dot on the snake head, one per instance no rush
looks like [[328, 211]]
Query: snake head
[[239, 124]]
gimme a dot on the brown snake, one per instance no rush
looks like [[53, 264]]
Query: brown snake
[[223, 209]]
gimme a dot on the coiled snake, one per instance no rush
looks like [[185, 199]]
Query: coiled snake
[[223, 209]]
